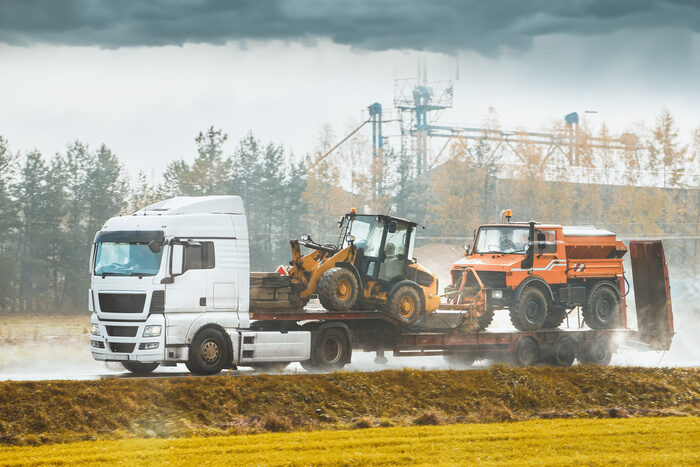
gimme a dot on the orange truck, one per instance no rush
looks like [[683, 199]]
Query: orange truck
[[540, 272]]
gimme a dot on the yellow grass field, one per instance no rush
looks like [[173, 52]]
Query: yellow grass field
[[631, 441]]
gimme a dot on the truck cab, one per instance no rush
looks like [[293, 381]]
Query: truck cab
[[171, 284]]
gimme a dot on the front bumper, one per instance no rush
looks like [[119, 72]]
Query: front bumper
[[118, 341]]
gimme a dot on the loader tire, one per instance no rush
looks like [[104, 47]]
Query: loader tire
[[603, 308], [405, 305], [139, 368], [530, 313], [338, 289], [209, 353], [555, 316]]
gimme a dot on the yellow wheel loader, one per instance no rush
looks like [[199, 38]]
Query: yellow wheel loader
[[370, 268]]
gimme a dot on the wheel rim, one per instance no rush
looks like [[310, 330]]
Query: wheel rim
[[209, 351], [343, 290], [532, 311], [604, 310], [407, 307], [332, 350]]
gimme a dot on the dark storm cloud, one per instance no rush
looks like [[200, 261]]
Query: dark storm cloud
[[444, 26]]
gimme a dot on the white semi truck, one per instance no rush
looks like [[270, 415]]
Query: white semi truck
[[172, 284]]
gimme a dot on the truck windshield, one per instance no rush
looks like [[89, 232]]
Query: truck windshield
[[502, 240], [126, 259], [361, 228]]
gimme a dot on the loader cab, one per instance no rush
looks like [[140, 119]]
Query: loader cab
[[384, 245]]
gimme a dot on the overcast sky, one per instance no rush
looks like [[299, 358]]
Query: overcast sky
[[145, 77]]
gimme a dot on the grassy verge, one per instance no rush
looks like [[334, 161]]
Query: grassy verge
[[51, 411], [639, 441]]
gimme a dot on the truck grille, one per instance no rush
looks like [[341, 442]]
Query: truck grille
[[122, 331], [490, 279], [122, 302], [121, 347]]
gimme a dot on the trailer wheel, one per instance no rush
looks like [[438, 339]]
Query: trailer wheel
[[330, 350], [527, 352], [603, 308], [337, 289], [555, 316], [564, 352], [139, 368], [530, 313], [600, 352], [458, 361], [405, 305], [208, 353]]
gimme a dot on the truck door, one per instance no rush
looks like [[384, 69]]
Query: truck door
[[188, 291], [652, 293]]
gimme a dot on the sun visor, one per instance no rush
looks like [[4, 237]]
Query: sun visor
[[129, 236]]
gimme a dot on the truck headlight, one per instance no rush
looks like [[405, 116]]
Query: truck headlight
[[498, 294], [152, 330], [94, 329]]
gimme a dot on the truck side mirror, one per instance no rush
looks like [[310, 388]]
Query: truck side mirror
[[541, 239], [154, 246], [392, 226], [178, 260], [467, 249]]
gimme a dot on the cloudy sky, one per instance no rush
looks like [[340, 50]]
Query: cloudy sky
[[145, 77]]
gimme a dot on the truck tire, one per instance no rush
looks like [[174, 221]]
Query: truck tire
[[405, 305], [603, 308], [209, 353], [458, 360], [555, 316], [337, 289], [485, 319], [139, 368], [330, 351], [600, 352], [527, 352], [530, 313], [563, 353]]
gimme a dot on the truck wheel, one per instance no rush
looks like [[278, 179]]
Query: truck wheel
[[337, 289], [530, 312], [208, 353], [603, 309], [139, 368], [600, 352], [330, 351], [555, 316], [485, 319], [527, 352], [405, 305], [564, 352], [269, 367], [458, 361]]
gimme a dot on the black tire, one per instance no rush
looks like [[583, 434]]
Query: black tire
[[330, 351], [530, 313], [269, 367], [139, 368], [603, 308], [563, 353], [405, 305], [485, 319], [527, 352], [337, 289], [209, 353], [600, 352], [458, 361], [555, 316]]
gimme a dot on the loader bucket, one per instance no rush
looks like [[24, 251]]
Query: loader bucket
[[652, 293]]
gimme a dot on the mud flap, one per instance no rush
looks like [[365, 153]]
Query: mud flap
[[652, 293]]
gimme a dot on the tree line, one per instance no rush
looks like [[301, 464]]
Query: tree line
[[50, 208]]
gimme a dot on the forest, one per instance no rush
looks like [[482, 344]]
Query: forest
[[51, 207]]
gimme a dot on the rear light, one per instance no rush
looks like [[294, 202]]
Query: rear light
[[158, 302]]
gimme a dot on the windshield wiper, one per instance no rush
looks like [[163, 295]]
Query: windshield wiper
[[103, 274]]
